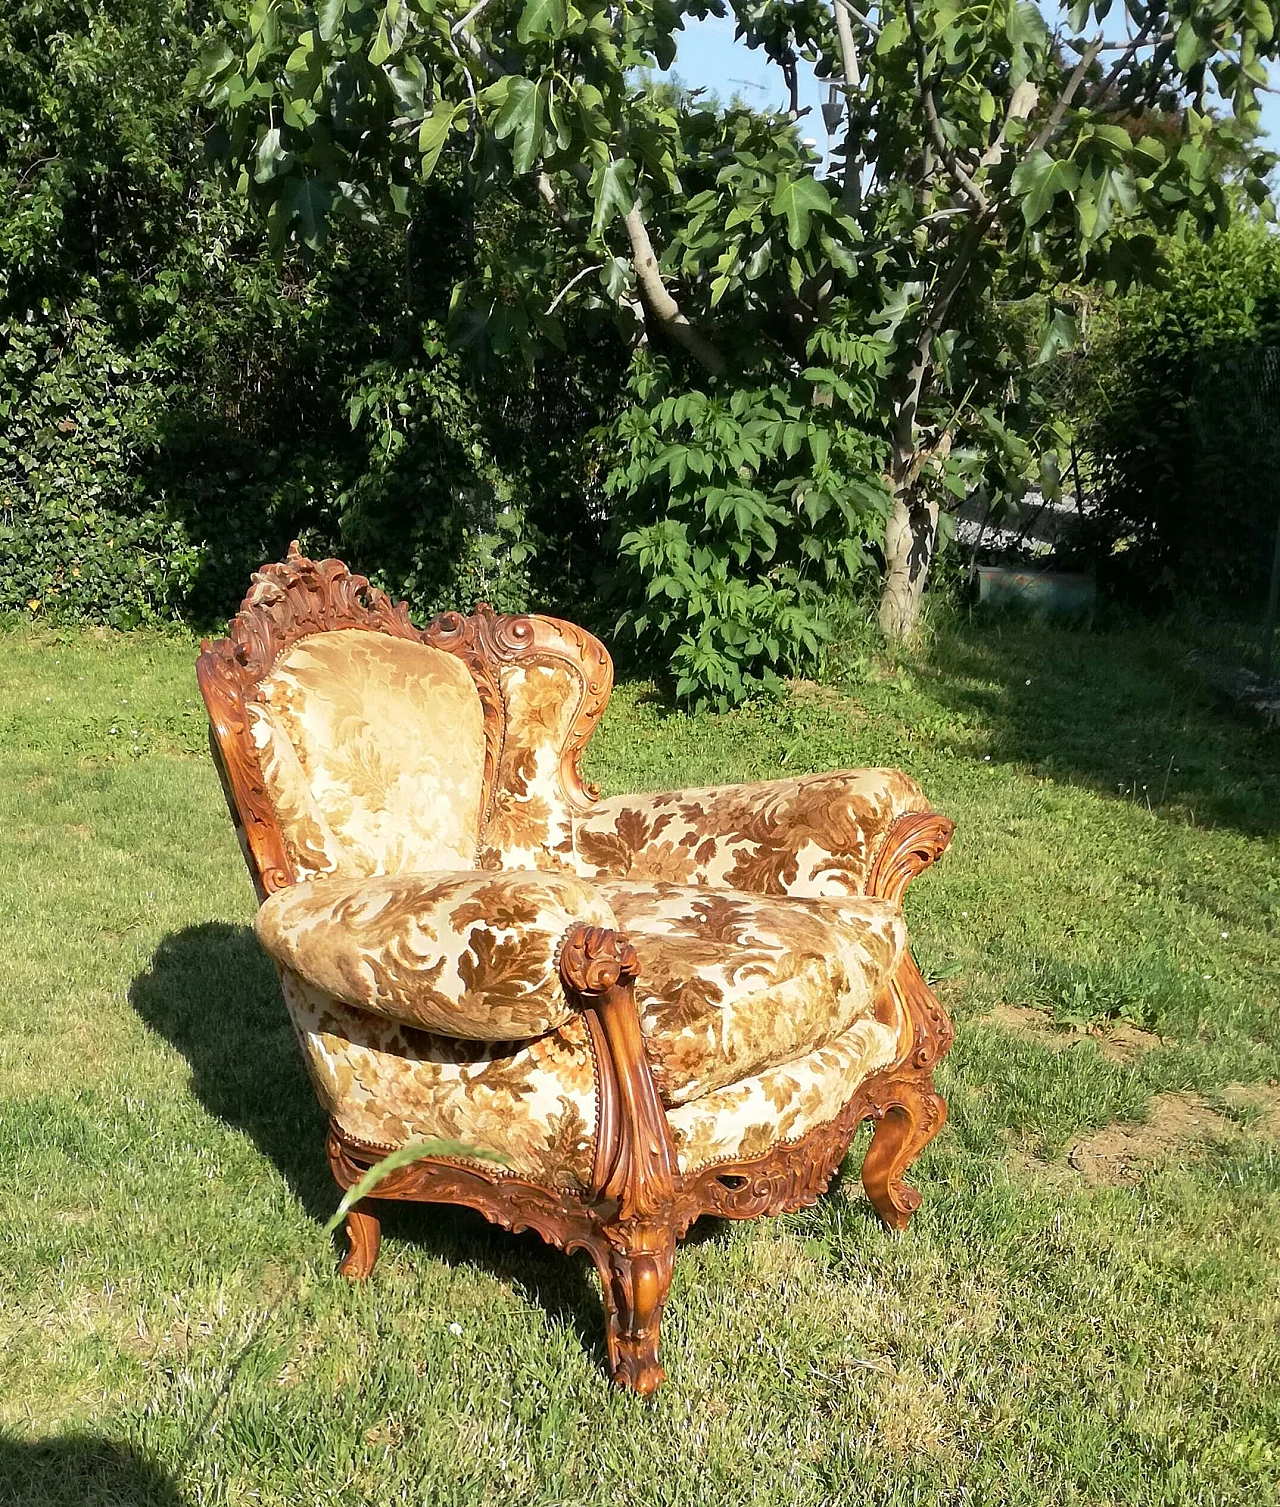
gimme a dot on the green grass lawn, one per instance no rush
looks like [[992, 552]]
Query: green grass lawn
[[1085, 1310]]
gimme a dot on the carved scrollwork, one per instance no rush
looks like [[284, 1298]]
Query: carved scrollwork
[[593, 959], [915, 841]]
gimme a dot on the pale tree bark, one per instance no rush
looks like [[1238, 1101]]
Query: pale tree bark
[[910, 540]]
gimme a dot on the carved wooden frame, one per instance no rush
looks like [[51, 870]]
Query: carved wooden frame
[[638, 1203]]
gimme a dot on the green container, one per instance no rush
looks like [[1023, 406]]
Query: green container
[[1046, 593]]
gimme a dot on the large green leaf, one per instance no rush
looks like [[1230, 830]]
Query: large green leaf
[[541, 18], [1038, 180], [271, 158], [796, 200], [329, 14], [433, 133], [521, 117], [614, 190], [307, 200]]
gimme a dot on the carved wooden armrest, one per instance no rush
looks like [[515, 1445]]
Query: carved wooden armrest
[[634, 1163]]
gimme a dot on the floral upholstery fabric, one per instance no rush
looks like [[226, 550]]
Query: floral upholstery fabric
[[746, 1119], [816, 835], [530, 824], [387, 1085], [731, 984], [469, 954], [371, 749]]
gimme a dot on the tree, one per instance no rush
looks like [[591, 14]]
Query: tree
[[828, 351]]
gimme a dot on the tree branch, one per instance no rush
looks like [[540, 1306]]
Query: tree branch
[[971, 190], [659, 302], [851, 188], [1063, 102]]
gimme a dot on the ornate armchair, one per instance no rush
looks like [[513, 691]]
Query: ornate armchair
[[653, 1007]]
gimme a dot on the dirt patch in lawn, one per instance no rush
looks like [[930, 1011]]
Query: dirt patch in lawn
[[1117, 1039], [1177, 1126]]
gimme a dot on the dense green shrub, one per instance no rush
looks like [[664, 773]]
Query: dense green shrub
[[1180, 422], [174, 406]]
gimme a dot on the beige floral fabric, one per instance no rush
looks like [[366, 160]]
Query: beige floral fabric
[[530, 824], [731, 984], [816, 835], [388, 1084], [470, 954], [747, 1119], [371, 749]]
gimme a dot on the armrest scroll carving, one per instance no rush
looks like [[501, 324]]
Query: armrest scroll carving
[[634, 1162]]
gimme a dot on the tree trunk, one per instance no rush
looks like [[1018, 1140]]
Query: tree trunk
[[910, 539]]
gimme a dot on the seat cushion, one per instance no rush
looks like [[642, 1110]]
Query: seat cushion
[[371, 749], [748, 1119], [732, 984], [470, 954]]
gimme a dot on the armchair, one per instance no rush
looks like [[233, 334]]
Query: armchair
[[653, 1007]]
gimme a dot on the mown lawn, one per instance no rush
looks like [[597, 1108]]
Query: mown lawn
[[1085, 1311]]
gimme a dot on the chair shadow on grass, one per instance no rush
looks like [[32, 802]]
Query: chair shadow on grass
[[82, 1470], [211, 992]]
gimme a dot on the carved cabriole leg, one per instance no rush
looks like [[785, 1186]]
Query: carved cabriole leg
[[907, 1110], [364, 1240], [908, 1113], [634, 1173]]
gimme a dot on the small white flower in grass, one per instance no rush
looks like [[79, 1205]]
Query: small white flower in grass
[[113, 730], [1224, 936], [1028, 682], [986, 758], [455, 1328], [1204, 975]]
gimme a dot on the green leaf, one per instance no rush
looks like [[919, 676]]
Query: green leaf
[[521, 118], [271, 158], [1038, 179], [541, 18], [433, 133], [415, 1151], [1186, 46], [1059, 335], [797, 200], [613, 188], [329, 14], [307, 200], [1258, 15]]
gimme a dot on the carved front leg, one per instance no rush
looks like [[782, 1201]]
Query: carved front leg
[[364, 1240], [908, 1114], [635, 1263], [634, 1174], [907, 1110]]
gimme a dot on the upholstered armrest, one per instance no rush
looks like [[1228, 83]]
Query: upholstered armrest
[[471, 955], [817, 835]]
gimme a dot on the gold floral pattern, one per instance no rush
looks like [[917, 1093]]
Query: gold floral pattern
[[530, 824], [472, 954], [816, 835], [748, 1118], [372, 751], [387, 1085], [731, 984]]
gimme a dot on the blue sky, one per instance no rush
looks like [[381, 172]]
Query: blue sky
[[708, 57]]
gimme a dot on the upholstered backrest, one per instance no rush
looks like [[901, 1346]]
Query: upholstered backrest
[[530, 818], [371, 749], [349, 741]]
